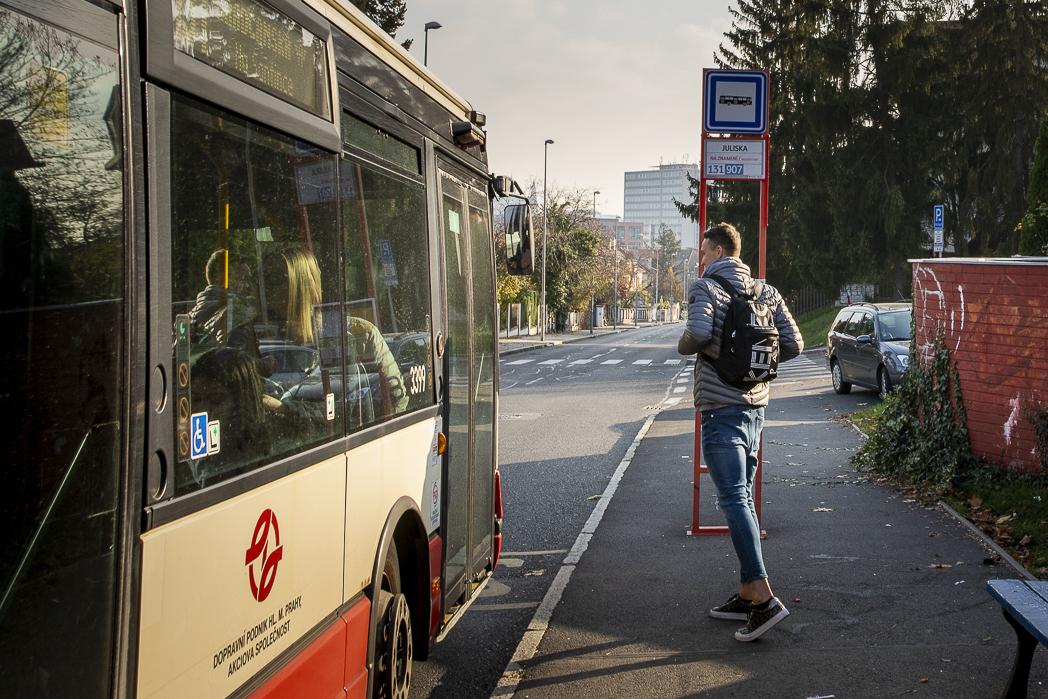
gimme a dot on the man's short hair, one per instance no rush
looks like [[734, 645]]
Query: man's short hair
[[215, 271], [725, 235]]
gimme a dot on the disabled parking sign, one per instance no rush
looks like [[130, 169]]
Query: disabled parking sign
[[198, 435]]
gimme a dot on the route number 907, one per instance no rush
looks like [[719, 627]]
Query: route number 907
[[724, 169]]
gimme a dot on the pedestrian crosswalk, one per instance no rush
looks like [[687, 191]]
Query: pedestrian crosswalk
[[644, 362], [803, 368]]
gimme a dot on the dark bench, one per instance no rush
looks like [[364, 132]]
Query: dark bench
[[1025, 607]]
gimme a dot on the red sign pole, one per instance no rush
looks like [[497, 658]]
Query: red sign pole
[[698, 469]]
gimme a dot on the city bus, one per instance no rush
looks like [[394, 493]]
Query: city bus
[[249, 379]]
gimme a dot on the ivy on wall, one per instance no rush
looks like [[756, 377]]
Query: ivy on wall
[[1038, 417], [921, 438]]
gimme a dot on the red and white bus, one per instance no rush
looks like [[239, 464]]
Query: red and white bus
[[249, 376]]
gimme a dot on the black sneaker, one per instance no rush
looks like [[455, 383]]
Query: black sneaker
[[735, 608], [760, 620]]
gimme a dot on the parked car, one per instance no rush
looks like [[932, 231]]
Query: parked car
[[869, 345], [289, 364]]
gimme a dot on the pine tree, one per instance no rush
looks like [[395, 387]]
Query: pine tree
[[388, 14], [1034, 236], [1003, 49]]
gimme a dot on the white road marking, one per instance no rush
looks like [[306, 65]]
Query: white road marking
[[552, 361], [680, 389], [535, 381], [529, 643], [671, 362], [612, 361], [580, 361], [683, 379], [642, 362], [481, 607], [519, 361]]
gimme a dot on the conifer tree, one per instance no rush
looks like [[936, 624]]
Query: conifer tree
[[388, 14], [1034, 237]]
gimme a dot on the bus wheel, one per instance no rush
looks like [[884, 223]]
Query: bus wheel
[[393, 645]]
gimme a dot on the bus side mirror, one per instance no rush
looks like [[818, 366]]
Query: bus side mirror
[[520, 253]]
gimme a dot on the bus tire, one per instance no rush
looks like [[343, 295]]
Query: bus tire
[[394, 647]]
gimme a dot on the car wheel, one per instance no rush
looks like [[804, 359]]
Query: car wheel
[[884, 383], [394, 650], [840, 386]]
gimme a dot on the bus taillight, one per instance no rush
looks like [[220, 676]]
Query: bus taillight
[[498, 519]]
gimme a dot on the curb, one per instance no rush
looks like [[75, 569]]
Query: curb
[[972, 529], [987, 541]]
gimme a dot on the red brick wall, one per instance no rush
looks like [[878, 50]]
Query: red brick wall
[[994, 314]]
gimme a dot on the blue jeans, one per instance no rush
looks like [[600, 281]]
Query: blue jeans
[[730, 439]]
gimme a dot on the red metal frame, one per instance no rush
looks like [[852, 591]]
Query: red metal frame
[[762, 258]]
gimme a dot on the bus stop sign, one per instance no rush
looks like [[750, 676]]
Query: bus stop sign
[[735, 101]]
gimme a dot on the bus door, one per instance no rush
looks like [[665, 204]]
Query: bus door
[[62, 377], [470, 395]]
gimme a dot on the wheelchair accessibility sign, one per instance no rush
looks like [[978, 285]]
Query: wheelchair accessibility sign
[[204, 436]]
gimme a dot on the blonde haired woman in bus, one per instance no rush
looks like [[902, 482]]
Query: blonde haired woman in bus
[[303, 295]]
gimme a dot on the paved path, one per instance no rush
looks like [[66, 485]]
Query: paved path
[[887, 597]]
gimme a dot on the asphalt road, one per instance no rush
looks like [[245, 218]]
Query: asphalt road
[[567, 416]]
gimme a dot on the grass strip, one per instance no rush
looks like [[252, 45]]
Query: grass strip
[[814, 325]]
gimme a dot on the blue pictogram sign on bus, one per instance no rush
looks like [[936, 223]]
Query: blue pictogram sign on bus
[[198, 435]]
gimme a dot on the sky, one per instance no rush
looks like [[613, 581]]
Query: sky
[[615, 83]]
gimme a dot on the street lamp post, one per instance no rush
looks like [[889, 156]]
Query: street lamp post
[[593, 293], [425, 42], [545, 226]]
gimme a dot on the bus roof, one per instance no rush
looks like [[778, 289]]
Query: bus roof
[[358, 26]]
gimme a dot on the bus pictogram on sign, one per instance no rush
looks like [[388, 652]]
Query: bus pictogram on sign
[[263, 555]]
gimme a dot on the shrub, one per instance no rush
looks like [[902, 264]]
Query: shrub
[[921, 438]]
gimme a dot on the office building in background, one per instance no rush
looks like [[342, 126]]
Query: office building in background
[[648, 198]]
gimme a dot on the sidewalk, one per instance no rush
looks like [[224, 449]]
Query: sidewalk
[[887, 597], [513, 345]]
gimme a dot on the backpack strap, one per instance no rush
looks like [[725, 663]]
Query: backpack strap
[[725, 284]]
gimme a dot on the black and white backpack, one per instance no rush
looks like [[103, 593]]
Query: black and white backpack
[[749, 352]]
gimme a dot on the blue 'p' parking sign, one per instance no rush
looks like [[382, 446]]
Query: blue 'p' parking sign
[[938, 216], [735, 101]]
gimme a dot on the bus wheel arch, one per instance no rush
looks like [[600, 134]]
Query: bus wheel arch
[[403, 544]]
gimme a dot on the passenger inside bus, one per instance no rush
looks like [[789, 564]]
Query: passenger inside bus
[[226, 309]]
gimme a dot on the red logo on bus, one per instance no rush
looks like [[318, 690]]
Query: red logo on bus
[[263, 557]]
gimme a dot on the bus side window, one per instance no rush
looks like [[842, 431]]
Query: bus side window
[[254, 253], [387, 293]]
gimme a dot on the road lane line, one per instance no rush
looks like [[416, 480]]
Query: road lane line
[[519, 361], [552, 361], [642, 362], [612, 361], [671, 362], [680, 389], [535, 381], [580, 361], [549, 552], [529, 642]]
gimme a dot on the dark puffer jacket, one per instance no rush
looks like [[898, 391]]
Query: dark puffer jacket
[[707, 306]]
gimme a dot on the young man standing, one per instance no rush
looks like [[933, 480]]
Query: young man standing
[[732, 419]]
